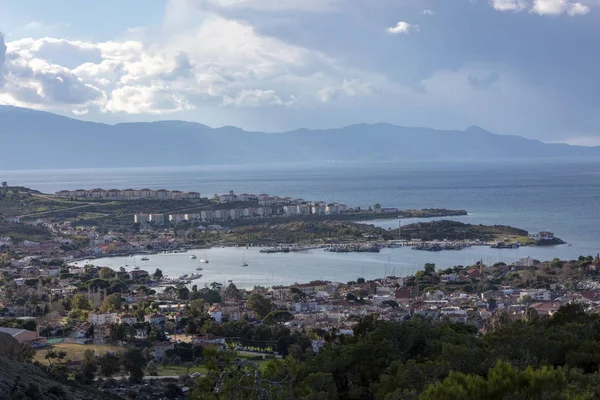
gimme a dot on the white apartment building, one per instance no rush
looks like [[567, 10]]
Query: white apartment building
[[208, 215], [158, 219], [103, 319], [193, 217], [176, 218], [250, 212], [319, 210], [222, 215], [290, 210], [141, 218], [236, 214], [264, 211], [537, 295]]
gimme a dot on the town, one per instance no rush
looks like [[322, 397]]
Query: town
[[87, 322]]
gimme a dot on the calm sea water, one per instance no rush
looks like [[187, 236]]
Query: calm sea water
[[563, 197]]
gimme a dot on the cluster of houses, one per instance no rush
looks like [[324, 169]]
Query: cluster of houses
[[127, 194]]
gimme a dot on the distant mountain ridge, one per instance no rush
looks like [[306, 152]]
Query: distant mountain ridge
[[33, 139]]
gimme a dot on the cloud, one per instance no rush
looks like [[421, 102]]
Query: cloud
[[2, 57], [257, 98], [557, 7], [147, 99], [428, 12], [270, 5], [223, 63], [402, 28], [509, 5]]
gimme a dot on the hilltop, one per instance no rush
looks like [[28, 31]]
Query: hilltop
[[44, 140]]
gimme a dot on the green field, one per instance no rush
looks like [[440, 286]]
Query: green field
[[75, 351]]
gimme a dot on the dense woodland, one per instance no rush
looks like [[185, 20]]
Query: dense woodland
[[536, 358]]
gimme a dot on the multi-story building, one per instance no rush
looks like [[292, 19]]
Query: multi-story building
[[303, 209], [226, 198], [147, 194], [246, 197], [318, 210], [222, 215], [250, 212], [113, 194], [236, 214], [208, 215], [176, 218], [162, 194], [264, 211], [262, 197], [193, 195], [141, 218], [157, 219], [290, 210], [103, 319], [193, 217]]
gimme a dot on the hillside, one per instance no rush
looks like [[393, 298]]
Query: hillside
[[44, 140], [454, 230], [26, 381]]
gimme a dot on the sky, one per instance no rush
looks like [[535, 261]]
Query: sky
[[525, 67]]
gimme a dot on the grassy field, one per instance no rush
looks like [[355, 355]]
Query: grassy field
[[74, 351]]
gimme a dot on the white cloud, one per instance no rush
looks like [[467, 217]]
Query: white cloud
[[271, 5], [557, 7], [402, 28], [257, 98], [428, 12], [220, 63], [509, 5], [147, 100]]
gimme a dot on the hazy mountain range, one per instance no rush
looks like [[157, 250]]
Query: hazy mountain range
[[32, 139]]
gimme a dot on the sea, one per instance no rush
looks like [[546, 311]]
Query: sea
[[559, 196]]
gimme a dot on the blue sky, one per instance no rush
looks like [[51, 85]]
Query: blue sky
[[527, 67]]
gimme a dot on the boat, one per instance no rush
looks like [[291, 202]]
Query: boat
[[193, 257], [203, 261], [199, 269], [144, 258], [230, 280], [244, 263], [136, 268]]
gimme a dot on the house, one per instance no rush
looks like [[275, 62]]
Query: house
[[156, 319], [226, 198], [193, 195], [406, 292], [544, 235], [312, 287], [160, 349], [103, 318], [141, 218], [76, 270], [216, 313], [128, 319], [50, 272], [536, 295], [216, 342], [454, 315], [21, 335], [141, 334]]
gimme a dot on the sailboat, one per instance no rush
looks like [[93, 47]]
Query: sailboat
[[193, 257], [244, 263], [204, 260]]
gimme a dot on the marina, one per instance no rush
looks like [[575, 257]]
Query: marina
[[314, 264]]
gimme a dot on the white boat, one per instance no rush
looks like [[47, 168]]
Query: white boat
[[244, 263], [144, 258], [136, 268], [193, 257], [199, 269]]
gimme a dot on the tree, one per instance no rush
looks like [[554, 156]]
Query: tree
[[106, 273], [80, 302], [109, 364], [133, 362], [360, 281], [26, 353], [232, 292], [152, 369], [89, 366], [259, 305], [429, 269], [506, 382], [278, 317], [377, 206], [157, 275], [111, 303], [216, 286]]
